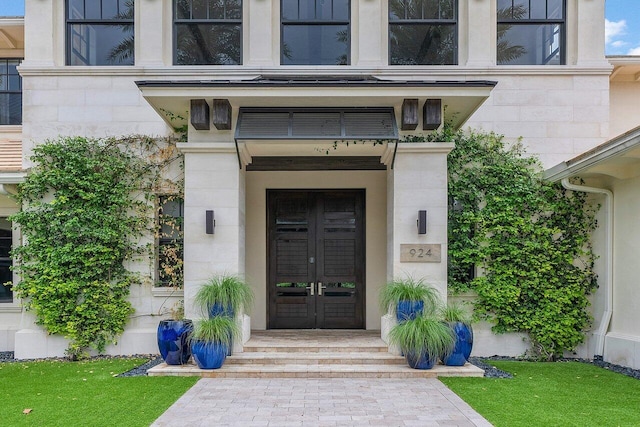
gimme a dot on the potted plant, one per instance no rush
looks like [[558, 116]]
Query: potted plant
[[459, 321], [210, 340], [172, 337], [224, 295], [409, 298], [422, 340]]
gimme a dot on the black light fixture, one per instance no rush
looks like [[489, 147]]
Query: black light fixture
[[210, 222], [422, 222]]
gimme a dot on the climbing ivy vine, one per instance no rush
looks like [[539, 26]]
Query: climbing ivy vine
[[88, 208], [528, 239]]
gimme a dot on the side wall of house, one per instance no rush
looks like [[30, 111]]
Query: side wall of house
[[622, 345], [625, 104]]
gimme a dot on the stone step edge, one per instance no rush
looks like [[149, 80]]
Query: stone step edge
[[315, 358], [294, 361], [318, 371], [316, 349], [316, 355]]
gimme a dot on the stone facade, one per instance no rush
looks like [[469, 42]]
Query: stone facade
[[559, 111]]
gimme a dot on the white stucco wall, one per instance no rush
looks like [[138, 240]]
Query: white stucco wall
[[625, 105], [622, 345], [557, 115]]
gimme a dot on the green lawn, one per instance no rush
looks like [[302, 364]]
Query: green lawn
[[553, 394], [84, 394]]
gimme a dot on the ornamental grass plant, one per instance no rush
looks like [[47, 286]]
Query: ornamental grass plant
[[409, 289], [426, 334], [455, 312], [226, 291], [218, 329]]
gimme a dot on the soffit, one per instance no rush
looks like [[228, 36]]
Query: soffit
[[460, 98], [11, 33], [625, 68]]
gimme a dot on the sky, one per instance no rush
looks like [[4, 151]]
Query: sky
[[622, 24]]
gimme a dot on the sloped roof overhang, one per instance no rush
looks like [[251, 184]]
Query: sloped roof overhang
[[172, 97], [11, 36], [618, 158]]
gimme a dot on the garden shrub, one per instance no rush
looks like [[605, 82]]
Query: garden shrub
[[87, 205], [528, 238]]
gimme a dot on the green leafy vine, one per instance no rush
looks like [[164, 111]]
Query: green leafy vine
[[529, 239], [88, 207]]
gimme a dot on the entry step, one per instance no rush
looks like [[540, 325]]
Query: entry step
[[316, 371], [315, 358]]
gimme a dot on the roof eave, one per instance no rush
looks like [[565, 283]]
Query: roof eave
[[610, 149]]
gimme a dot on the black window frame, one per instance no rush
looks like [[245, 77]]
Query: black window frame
[[69, 22], [561, 22], [7, 261], [8, 91], [208, 21], [427, 22], [164, 240], [314, 22]]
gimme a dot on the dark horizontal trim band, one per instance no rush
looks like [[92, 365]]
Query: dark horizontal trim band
[[423, 21], [295, 81], [208, 21], [315, 163]]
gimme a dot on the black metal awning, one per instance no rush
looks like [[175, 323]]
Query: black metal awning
[[316, 123]]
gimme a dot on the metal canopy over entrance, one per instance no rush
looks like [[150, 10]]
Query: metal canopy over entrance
[[316, 123]]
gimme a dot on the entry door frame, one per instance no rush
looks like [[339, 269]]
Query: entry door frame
[[360, 256]]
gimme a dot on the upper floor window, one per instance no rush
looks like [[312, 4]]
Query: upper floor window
[[6, 276], [423, 32], [207, 32], [170, 241], [531, 32], [10, 92], [100, 32], [315, 32]]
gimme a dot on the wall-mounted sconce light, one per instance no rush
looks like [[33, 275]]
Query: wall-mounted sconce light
[[210, 223], [422, 222]]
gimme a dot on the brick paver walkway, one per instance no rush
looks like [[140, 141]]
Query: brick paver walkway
[[320, 402]]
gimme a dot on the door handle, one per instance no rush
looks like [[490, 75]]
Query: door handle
[[311, 287], [320, 288]]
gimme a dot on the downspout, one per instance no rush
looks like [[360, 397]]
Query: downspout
[[608, 283]]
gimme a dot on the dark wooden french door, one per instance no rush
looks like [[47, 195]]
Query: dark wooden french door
[[316, 259]]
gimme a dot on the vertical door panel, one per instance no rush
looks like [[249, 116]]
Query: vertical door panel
[[292, 245], [340, 260]]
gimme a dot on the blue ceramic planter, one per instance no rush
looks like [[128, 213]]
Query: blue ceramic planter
[[464, 344], [408, 310], [420, 361], [209, 355], [220, 310], [172, 341]]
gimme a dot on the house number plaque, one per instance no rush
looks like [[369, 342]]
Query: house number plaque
[[420, 253]]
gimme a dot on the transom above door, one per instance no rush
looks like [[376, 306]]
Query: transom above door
[[316, 259]]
